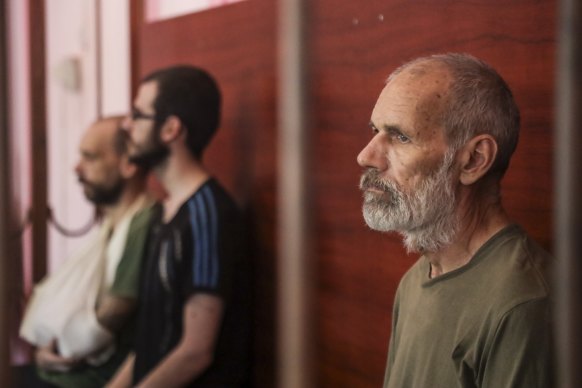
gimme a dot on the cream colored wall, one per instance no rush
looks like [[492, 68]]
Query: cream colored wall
[[72, 40]]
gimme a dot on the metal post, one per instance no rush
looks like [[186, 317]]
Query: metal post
[[294, 278], [38, 144], [568, 197], [5, 264]]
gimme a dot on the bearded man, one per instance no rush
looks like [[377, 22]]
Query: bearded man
[[194, 318], [474, 310], [80, 316]]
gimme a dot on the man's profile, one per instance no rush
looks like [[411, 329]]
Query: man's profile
[[194, 314], [473, 311], [79, 316]]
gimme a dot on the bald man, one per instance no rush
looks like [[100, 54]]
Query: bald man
[[85, 350]]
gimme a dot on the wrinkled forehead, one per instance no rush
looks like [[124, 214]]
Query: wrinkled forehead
[[422, 90], [414, 102]]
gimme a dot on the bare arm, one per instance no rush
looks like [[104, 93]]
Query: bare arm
[[194, 353], [113, 311], [122, 378]]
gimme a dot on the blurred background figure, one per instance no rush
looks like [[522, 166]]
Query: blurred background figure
[[193, 326], [80, 317]]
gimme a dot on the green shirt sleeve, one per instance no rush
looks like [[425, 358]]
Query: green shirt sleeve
[[126, 279], [521, 352]]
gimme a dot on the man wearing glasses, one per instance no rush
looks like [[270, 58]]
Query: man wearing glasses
[[194, 316]]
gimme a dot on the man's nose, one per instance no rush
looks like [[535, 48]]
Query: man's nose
[[372, 156]]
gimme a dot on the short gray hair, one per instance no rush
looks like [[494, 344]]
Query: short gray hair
[[480, 102]]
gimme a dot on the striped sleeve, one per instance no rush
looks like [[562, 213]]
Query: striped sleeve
[[205, 229]]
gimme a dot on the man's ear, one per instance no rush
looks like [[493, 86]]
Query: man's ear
[[476, 158], [127, 168], [171, 129]]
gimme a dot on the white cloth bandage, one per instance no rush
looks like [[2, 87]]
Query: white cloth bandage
[[62, 306]]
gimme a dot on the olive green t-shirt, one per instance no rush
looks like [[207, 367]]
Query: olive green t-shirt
[[486, 324], [125, 284]]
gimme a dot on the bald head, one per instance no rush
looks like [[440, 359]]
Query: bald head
[[101, 163], [109, 129]]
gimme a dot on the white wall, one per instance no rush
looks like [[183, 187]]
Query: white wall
[[71, 40], [115, 61]]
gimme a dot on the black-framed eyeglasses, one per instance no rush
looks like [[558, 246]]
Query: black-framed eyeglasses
[[136, 114]]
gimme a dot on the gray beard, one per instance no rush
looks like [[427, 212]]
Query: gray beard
[[425, 217]]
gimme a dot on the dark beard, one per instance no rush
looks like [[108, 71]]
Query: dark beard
[[154, 155], [100, 195], [151, 158]]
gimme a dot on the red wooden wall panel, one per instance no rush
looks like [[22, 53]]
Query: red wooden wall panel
[[353, 45]]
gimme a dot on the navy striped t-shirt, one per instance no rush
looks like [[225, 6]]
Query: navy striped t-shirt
[[201, 250]]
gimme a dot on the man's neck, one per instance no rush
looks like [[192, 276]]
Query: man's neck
[[180, 175], [476, 227], [129, 195]]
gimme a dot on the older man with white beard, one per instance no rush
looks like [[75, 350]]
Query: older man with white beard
[[474, 310]]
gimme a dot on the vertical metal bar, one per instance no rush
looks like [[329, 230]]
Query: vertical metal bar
[[39, 139], [294, 355], [5, 264], [568, 203]]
